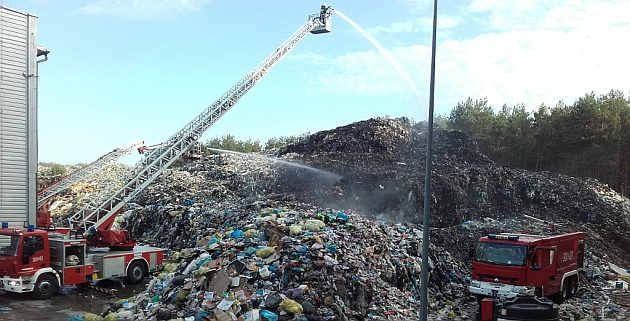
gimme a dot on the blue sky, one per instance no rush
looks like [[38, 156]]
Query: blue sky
[[127, 70]]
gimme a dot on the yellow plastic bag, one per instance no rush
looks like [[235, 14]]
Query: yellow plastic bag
[[295, 230], [265, 252], [111, 317], [291, 306], [170, 267], [92, 317], [251, 233], [314, 225]]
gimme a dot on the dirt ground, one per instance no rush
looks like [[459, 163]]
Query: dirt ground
[[68, 302]]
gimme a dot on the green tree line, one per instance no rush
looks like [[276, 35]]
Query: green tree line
[[589, 138], [229, 142]]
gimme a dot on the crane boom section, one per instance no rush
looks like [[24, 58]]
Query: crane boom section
[[101, 215], [82, 173]]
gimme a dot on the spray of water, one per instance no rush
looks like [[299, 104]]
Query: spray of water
[[321, 172], [412, 84]]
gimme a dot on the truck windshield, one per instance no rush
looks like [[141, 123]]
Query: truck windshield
[[9, 245], [502, 254]]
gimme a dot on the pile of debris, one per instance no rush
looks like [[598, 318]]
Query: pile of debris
[[97, 186], [299, 261], [381, 164], [247, 242]]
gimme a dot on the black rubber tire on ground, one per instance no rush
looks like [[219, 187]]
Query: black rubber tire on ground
[[565, 292], [574, 285], [45, 287], [136, 273]]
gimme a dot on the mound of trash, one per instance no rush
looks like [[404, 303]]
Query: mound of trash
[[381, 165], [329, 230]]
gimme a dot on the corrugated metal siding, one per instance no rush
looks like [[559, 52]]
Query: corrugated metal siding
[[14, 116]]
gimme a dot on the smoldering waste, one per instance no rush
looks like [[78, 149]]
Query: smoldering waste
[[256, 238]]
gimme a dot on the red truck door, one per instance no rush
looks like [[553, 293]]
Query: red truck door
[[34, 254], [544, 270]]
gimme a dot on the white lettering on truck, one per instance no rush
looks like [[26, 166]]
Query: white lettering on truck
[[567, 256]]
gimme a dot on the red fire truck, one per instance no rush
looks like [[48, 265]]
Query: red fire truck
[[507, 264], [38, 261]]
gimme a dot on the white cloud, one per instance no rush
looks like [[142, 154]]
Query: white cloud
[[558, 51], [445, 22], [397, 27], [535, 14], [141, 9]]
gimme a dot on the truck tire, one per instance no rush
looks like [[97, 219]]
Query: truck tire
[[45, 287], [565, 292], [575, 285], [136, 272]]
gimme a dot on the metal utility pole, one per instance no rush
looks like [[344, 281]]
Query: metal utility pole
[[427, 180]]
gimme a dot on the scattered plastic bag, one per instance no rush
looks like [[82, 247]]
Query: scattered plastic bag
[[295, 230], [113, 316], [269, 315], [314, 225], [265, 252], [291, 306]]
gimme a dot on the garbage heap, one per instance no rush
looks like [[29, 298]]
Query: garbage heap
[[381, 164], [296, 262], [247, 242], [97, 186]]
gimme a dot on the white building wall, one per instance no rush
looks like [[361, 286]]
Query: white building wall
[[18, 117]]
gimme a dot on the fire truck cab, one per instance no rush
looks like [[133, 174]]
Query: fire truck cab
[[33, 261], [507, 264]]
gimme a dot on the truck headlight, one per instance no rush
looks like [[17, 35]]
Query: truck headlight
[[13, 283], [475, 284], [527, 290]]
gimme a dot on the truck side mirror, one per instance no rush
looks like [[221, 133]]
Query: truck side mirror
[[535, 267]]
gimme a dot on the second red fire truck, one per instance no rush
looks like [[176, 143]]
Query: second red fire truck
[[507, 264]]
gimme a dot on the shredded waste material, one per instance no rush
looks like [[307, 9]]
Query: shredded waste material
[[336, 236]]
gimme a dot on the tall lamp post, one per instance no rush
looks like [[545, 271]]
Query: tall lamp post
[[427, 180]]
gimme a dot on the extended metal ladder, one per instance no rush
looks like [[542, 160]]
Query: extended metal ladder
[[82, 173], [102, 215]]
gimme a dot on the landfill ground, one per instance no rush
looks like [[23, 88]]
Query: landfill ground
[[70, 301], [328, 229]]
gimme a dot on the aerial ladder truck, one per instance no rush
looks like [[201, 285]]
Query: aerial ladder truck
[[38, 262], [46, 194]]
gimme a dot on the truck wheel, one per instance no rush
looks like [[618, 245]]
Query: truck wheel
[[565, 291], [45, 287], [136, 272], [575, 285]]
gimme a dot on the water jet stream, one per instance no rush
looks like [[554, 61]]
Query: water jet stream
[[327, 174], [410, 82]]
